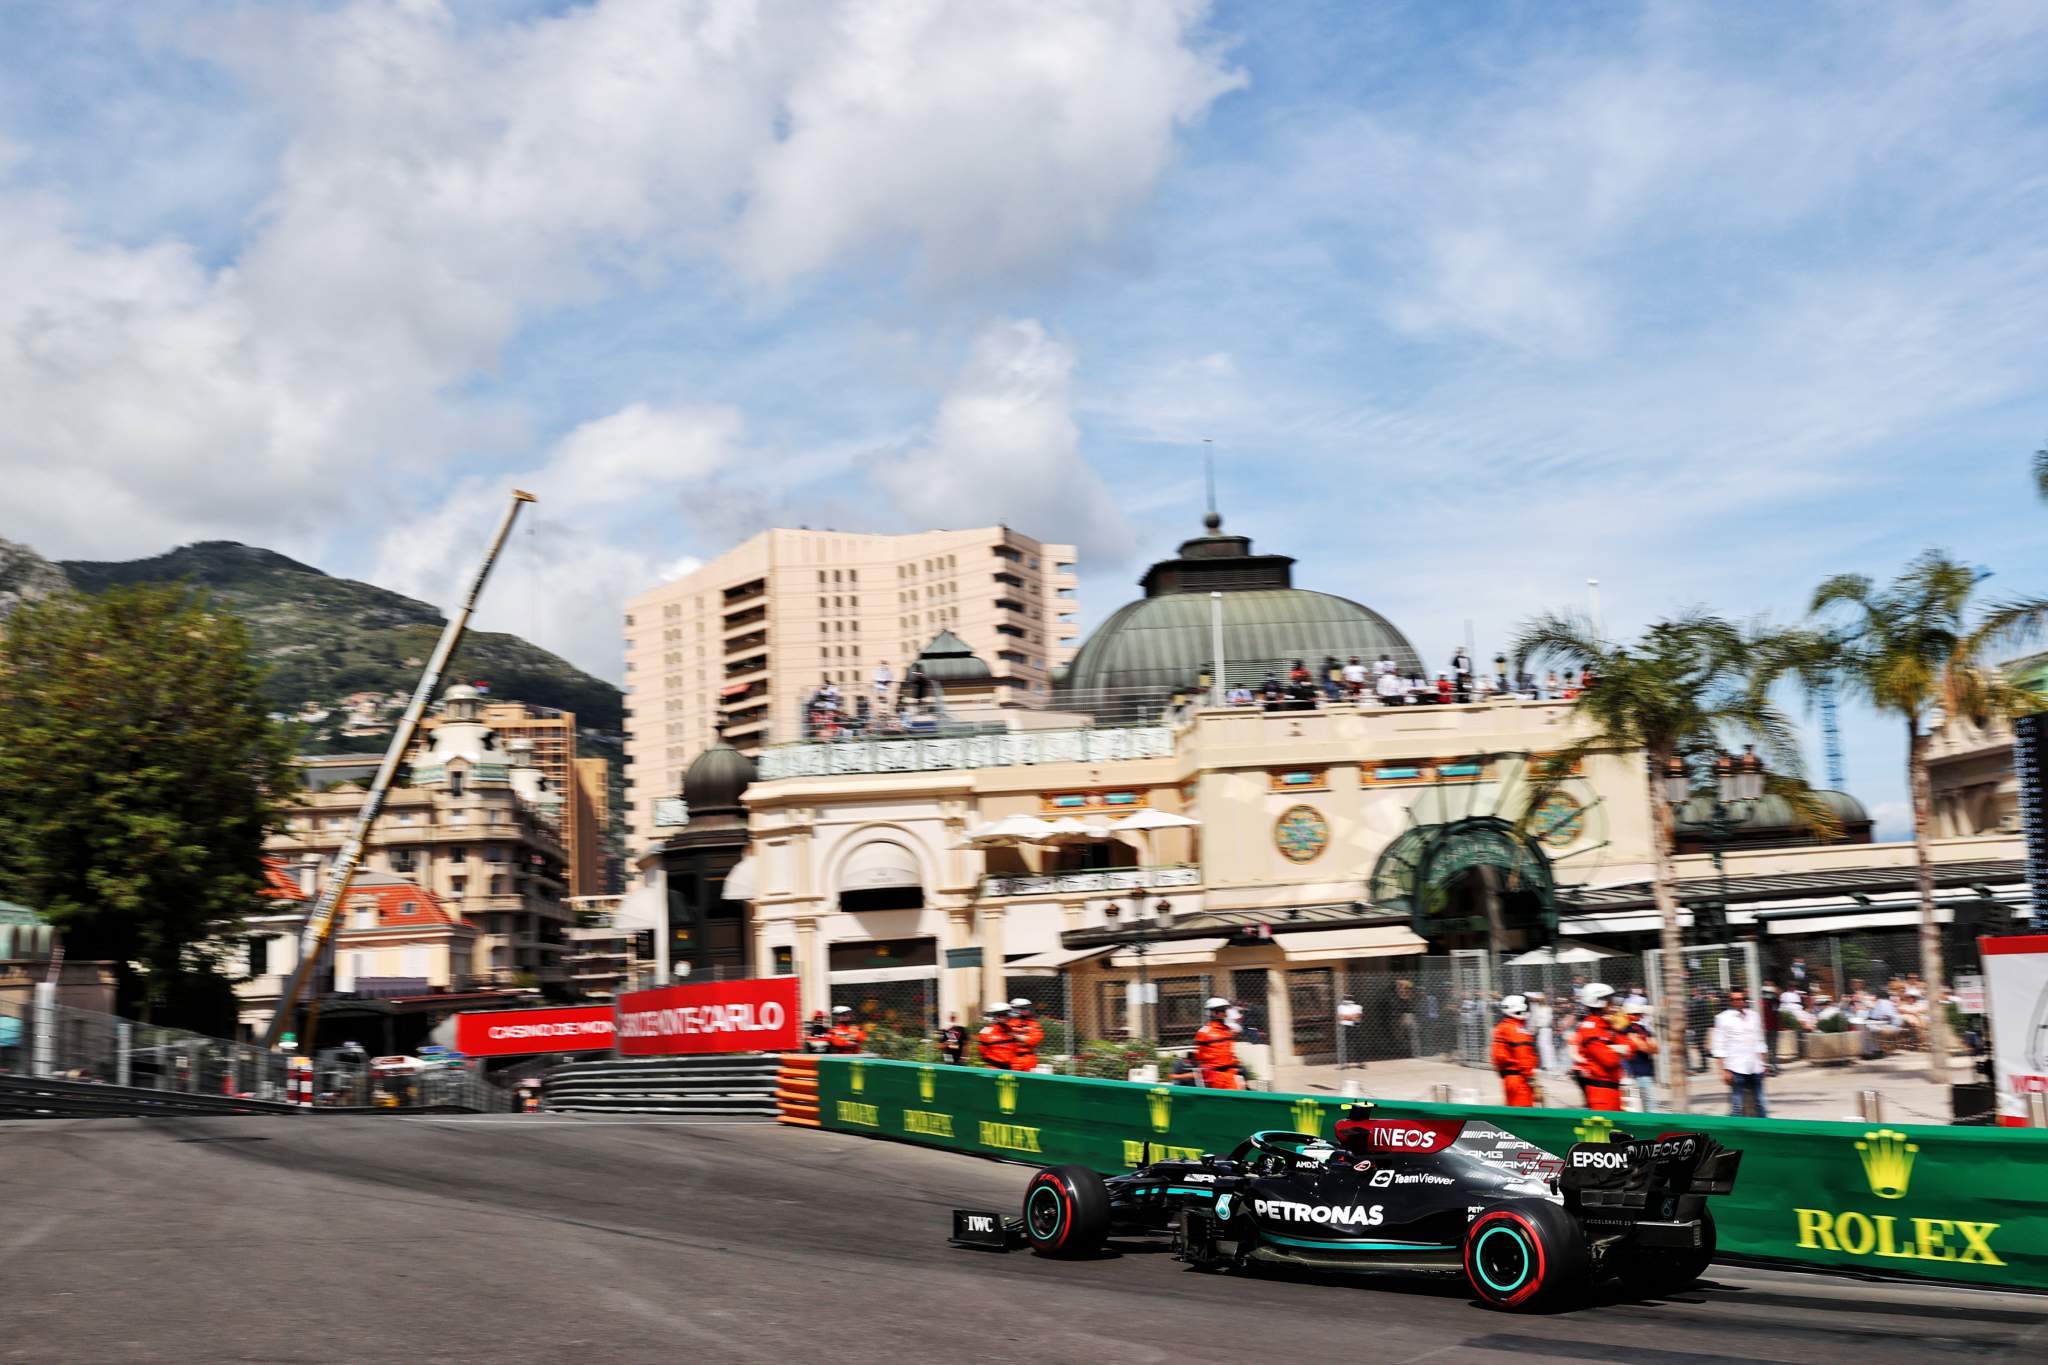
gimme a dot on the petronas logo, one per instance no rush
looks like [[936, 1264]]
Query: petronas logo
[[1887, 1162], [1597, 1129], [859, 1083], [1160, 1101], [927, 1083], [1308, 1118], [1006, 1093]]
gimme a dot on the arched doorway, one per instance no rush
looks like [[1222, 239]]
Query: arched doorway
[[1470, 883]]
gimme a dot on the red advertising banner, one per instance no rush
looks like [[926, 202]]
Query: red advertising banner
[[512, 1033], [714, 1016]]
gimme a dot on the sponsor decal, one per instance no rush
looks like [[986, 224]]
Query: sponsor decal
[[1616, 1160], [1006, 1092], [857, 1081], [860, 1115], [1199, 1179], [1666, 1149], [1411, 1135], [1308, 1117], [979, 1222], [1009, 1137], [927, 1083], [1887, 1159], [709, 1017], [512, 1033], [1134, 1152], [927, 1123], [1336, 1215], [1595, 1129], [1383, 1179], [1159, 1101]]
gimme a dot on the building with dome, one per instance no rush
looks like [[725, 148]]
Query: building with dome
[[1217, 591]]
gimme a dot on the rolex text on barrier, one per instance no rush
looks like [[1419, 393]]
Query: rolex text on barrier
[[520, 1033], [1944, 1203], [714, 1016]]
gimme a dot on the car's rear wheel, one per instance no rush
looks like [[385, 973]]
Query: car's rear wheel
[[1654, 1272], [1066, 1212], [1525, 1255]]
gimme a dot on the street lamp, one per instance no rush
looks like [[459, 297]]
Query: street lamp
[[1738, 784], [1144, 931]]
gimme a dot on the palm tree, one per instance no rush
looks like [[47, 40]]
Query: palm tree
[[1909, 649], [2041, 472], [1680, 695]]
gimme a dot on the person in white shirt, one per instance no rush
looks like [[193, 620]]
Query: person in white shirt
[[884, 680], [1354, 678], [1349, 1053], [1737, 1043], [1391, 689], [1543, 1023]]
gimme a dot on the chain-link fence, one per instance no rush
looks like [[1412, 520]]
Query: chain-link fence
[[59, 1042]]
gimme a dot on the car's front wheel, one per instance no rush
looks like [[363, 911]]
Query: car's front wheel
[[1066, 1212], [1524, 1256]]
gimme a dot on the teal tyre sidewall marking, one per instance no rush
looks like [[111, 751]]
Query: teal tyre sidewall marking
[[1521, 1248], [1059, 1215]]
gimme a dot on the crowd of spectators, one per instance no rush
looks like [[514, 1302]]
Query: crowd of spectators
[[1386, 682], [906, 707]]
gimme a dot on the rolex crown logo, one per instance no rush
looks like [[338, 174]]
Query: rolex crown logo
[[1887, 1162], [859, 1083], [927, 1083], [1006, 1093], [1308, 1118], [1595, 1129], [1160, 1101]]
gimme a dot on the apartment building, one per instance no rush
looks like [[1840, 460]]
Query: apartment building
[[745, 639], [478, 827], [580, 782]]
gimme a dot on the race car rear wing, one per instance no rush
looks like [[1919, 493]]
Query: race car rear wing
[[1630, 1173]]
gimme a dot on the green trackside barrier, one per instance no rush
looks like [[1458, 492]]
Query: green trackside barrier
[[1964, 1204]]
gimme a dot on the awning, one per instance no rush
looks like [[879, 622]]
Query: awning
[[880, 866], [868, 976], [1384, 941], [1185, 952], [1050, 964], [734, 689], [740, 883]]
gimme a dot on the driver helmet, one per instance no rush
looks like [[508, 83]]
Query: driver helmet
[[1514, 1007], [1595, 995]]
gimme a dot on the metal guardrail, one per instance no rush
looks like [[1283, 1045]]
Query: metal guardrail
[[728, 1087], [29, 1097]]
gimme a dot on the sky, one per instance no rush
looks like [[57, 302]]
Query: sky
[[1476, 302]]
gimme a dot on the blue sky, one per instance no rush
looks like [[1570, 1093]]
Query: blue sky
[[1475, 301]]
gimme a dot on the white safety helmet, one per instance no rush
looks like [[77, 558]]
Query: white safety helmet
[[1020, 1003], [1514, 1007], [998, 1007], [842, 1009], [1595, 995], [1217, 1002]]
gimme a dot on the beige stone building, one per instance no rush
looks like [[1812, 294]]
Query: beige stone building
[[580, 782], [478, 827], [1970, 768], [745, 640]]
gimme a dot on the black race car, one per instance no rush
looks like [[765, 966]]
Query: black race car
[[1414, 1196]]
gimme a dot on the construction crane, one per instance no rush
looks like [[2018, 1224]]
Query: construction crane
[[320, 922], [1831, 737]]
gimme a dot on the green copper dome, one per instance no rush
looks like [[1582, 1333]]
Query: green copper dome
[[1164, 643]]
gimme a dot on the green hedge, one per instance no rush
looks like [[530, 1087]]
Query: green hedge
[[1967, 1204]]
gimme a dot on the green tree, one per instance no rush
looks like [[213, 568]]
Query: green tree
[[139, 772], [1908, 649], [2041, 471], [1682, 694]]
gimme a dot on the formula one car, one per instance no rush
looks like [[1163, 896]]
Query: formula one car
[[1414, 1196]]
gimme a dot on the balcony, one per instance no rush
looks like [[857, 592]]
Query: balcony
[[1014, 748], [745, 617], [1107, 882], [757, 663], [740, 592], [753, 639]]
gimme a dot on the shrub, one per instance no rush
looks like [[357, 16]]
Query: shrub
[[1789, 1021], [887, 1043], [1834, 1023], [1112, 1061]]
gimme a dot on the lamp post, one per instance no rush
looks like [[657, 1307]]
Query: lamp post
[[1738, 784], [1144, 931]]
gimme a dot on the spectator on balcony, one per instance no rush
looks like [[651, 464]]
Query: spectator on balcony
[[1355, 676], [1385, 665], [1239, 696], [916, 683], [1333, 677], [1461, 674], [1444, 689], [1390, 689], [884, 680], [1270, 690], [1298, 676]]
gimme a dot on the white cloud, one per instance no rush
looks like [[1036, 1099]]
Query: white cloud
[[444, 183], [1004, 447]]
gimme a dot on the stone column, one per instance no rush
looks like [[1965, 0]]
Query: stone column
[[994, 981], [813, 988], [958, 985], [1280, 1017]]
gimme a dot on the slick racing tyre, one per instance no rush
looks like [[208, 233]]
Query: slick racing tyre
[[1066, 1212], [1654, 1272], [1525, 1255]]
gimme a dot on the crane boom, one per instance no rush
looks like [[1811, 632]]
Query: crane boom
[[320, 922]]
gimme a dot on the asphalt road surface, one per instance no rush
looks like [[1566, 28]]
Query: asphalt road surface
[[568, 1239]]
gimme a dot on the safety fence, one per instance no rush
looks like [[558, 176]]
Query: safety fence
[[45, 1041], [726, 1086], [1959, 1204], [29, 1097]]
